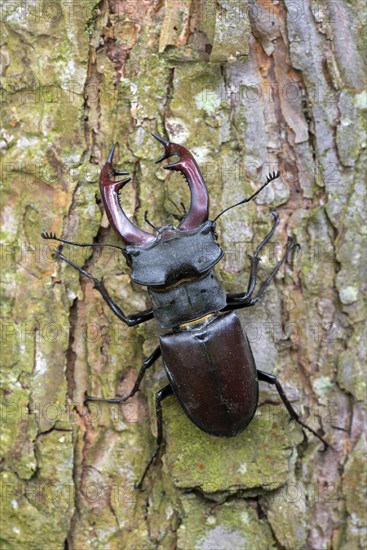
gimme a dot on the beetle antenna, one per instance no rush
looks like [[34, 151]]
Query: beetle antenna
[[177, 208], [149, 222], [269, 178], [52, 237]]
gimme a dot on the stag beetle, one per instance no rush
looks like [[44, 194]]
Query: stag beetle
[[218, 385]]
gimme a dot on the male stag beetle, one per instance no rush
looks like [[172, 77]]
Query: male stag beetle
[[206, 354]]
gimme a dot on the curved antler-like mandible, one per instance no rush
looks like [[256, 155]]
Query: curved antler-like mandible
[[125, 229], [199, 207]]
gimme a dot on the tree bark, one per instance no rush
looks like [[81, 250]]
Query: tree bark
[[248, 87]]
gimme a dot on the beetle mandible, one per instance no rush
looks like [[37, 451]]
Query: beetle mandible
[[218, 387]]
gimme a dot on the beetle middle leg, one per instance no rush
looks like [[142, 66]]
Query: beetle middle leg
[[271, 379], [146, 365], [159, 396]]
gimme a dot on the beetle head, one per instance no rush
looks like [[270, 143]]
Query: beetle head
[[175, 256], [172, 254]]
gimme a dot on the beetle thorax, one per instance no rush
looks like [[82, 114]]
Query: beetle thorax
[[177, 268]]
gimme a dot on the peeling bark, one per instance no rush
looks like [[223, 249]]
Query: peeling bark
[[249, 87]]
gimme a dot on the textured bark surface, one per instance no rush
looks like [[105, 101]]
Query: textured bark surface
[[249, 88]]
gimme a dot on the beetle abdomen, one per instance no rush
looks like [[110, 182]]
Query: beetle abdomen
[[212, 372]]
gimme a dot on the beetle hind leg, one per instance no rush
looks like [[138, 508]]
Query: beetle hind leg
[[270, 379], [159, 396]]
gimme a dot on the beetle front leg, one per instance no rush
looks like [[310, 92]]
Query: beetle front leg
[[130, 320], [244, 296], [147, 363], [159, 396], [264, 285], [271, 379], [237, 302]]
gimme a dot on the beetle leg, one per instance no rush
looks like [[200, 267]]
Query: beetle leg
[[271, 379], [159, 396], [240, 303], [291, 246], [147, 363], [244, 296], [130, 320]]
